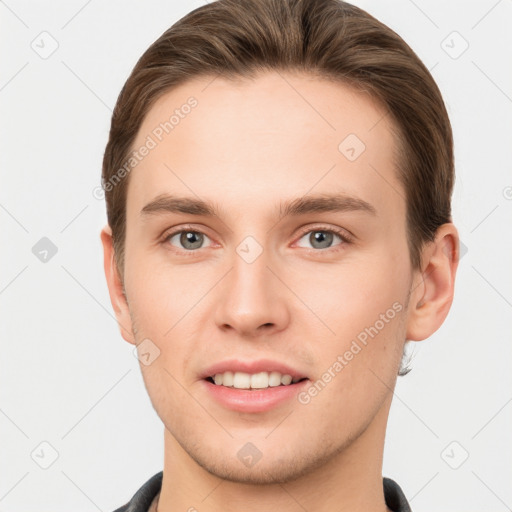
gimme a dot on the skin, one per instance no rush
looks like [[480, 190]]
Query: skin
[[247, 147]]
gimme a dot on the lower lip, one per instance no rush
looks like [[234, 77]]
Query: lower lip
[[256, 400]]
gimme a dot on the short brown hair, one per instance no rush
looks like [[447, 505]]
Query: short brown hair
[[329, 39]]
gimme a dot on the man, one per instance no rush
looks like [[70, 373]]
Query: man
[[278, 180]]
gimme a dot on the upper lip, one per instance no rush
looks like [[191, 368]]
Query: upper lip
[[261, 365]]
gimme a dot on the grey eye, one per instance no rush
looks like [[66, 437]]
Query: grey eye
[[189, 240], [320, 238]]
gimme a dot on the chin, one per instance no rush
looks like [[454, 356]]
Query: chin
[[276, 463]]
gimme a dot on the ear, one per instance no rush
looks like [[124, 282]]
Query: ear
[[115, 286], [433, 288]]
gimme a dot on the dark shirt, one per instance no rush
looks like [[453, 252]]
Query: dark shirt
[[393, 494]]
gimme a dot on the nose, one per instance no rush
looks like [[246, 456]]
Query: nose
[[252, 299]]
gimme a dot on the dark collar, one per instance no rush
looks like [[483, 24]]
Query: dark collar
[[393, 494]]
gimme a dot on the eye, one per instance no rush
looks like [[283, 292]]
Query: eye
[[189, 240], [321, 238]]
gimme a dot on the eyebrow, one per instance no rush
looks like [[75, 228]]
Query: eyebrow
[[166, 203]]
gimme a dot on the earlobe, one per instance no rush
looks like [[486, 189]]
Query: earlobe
[[432, 295], [115, 286]]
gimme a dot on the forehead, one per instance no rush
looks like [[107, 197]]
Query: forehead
[[276, 136]]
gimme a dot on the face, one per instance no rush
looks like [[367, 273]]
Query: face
[[266, 232]]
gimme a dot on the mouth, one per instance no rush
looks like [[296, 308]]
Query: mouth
[[253, 392], [253, 386], [254, 381]]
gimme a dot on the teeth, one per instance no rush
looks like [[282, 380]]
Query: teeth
[[261, 380], [274, 379], [227, 378], [286, 379], [241, 380]]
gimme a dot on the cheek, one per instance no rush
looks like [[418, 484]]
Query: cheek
[[165, 304], [357, 367], [348, 298], [362, 308], [161, 294]]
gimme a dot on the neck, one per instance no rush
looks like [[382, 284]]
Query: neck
[[350, 480]]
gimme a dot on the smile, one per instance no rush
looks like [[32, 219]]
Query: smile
[[260, 380]]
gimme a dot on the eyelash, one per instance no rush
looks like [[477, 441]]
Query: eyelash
[[345, 237]]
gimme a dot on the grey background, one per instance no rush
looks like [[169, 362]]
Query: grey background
[[67, 378]]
